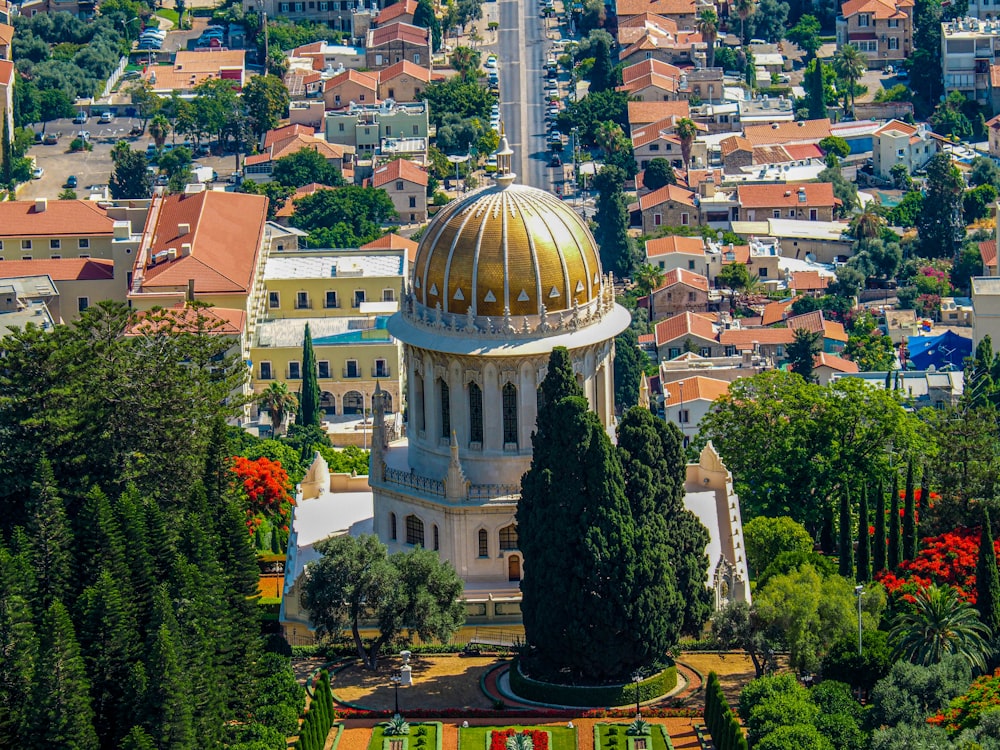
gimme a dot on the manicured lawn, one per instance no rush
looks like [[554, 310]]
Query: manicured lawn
[[429, 737], [621, 739], [170, 14], [474, 738]]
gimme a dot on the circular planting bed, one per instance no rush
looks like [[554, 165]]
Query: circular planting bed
[[590, 696]]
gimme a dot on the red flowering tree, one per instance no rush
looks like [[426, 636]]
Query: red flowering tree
[[946, 559], [965, 710], [264, 484]]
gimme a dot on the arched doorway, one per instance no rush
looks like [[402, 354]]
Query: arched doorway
[[513, 568], [327, 403], [387, 402], [353, 402]]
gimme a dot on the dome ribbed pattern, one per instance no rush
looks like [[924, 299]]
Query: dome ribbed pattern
[[506, 247]]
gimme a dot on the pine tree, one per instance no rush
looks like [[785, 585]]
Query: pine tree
[[892, 559], [20, 651], [310, 382], [137, 739], [846, 548], [575, 526], [99, 543], [169, 702], [6, 160], [909, 517], [988, 580], [652, 624], [864, 540], [62, 714], [50, 539], [131, 515], [879, 549]]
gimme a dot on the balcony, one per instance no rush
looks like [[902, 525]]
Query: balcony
[[380, 372], [351, 374]]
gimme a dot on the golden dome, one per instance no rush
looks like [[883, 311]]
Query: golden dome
[[506, 248]]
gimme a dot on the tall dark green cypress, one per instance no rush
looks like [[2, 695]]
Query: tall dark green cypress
[[988, 580], [310, 382], [7, 159], [826, 542], [909, 517], [863, 574], [924, 498], [879, 543], [892, 559], [846, 551]]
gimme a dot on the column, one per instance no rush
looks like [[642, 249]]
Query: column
[[527, 406], [492, 410]]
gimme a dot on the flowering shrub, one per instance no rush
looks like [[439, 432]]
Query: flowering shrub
[[264, 484], [499, 737], [946, 559], [965, 710]]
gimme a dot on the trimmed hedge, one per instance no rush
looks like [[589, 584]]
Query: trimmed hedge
[[655, 729], [319, 718], [722, 724], [603, 695]]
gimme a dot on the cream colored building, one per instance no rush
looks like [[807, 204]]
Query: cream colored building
[[78, 283], [985, 309], [898, 142]]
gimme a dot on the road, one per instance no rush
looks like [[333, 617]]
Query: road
[[522, 48]]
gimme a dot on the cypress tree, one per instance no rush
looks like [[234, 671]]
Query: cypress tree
[[988, 580], [924, 500], [826, 530], [864, 540], [909, 517], [62, 713], [169, 700], [100, 545], [878, 551], [575, 526], [846, 567], [310, 382], [137, 739], [6, 161], [50, 539], [892, 559]]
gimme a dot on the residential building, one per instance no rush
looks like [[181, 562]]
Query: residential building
[[739, 155], [670, 206], [657, 140], [898, 142], [681, 290], [682, 12], [787, 133], [77, 283], [654, 80], [289, 140], [660, 40], [50, 230], [934, 388], [326, 57], [811, 283], [401, 12], [988, 253], [26, 300], [729, 368], [900, 325], [345, 297], [191, 68], [78, 8], [388, 45], [969, 50], [6, 40], [764, 109], [770, 343], [827, 366], [993, 135], [882, 30], [761, 256], [820, 241], [673, 251], [687, 401], [406, 184], [350, 87], [642, 113], [404, 81], [687, 332], [338, 14], [811, 201], [304, 83], [372, 130], [833, 335], [986, 308], [393, 241]]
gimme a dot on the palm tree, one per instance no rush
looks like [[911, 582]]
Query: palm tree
[[648, 278], [744, 9], [465, 60], [850, 65], [708, 26], [686, 131], [609, 136], [159, 129], [939, 625], [868, 224], [279, 402]]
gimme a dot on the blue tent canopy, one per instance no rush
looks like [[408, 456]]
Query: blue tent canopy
[[948, 350]]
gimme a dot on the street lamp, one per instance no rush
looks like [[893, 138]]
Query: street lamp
[[396, 679], [637, 679]]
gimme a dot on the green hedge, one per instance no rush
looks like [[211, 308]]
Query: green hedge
[[659, 735], [722, 724], [604, 695]]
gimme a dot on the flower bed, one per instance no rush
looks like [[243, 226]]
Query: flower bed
[[485, 738], [613, 737], [425, 736], [499, 737]]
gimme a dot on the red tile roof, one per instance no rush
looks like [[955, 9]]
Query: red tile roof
[[405, 67], [684, 324], [280, 134], [289, 208], [6, 34], [6, 72], [60, 269], [367, 80], [877, 8], [814, 322], [695, 388], [897, 126], [402, 8], [399, 32], [660, 7], [644, 113], [59, 219], [674, 244], [683, 276], [734, 143], [219, 321], [649, 67], [393, 241], [988, 252], [775, 312], [399, 169], [783, 133], [835, 363], [808, 281], [745, 338], [647, 338], [664, 194], [226, 231], [817, 194]]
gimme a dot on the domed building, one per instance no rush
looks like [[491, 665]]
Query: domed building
[[501, 277]]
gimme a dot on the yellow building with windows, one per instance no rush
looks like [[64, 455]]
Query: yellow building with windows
[[346, 298]]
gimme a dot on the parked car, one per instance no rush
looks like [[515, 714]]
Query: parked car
[[491, 62], [71, 181], [36, 173], [80, 119], [106, 117], [84, 134], [50, 139]]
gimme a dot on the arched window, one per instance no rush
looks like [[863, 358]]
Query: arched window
[[445, 409], [475, 413], [392, 525], [508, 537], [418, 403], [437, 540], [354, 402], [414, 531], [484, 543], [510, 414]]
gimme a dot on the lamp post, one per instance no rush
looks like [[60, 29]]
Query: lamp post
[[396, 679], [637, 679]]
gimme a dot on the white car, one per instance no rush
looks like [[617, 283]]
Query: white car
[[106, 117], [491, 62], [36, 173]]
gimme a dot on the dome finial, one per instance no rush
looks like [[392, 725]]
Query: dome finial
[[503, 154]]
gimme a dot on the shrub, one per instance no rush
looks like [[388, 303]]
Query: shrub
[[395, 727], [603, 695]]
